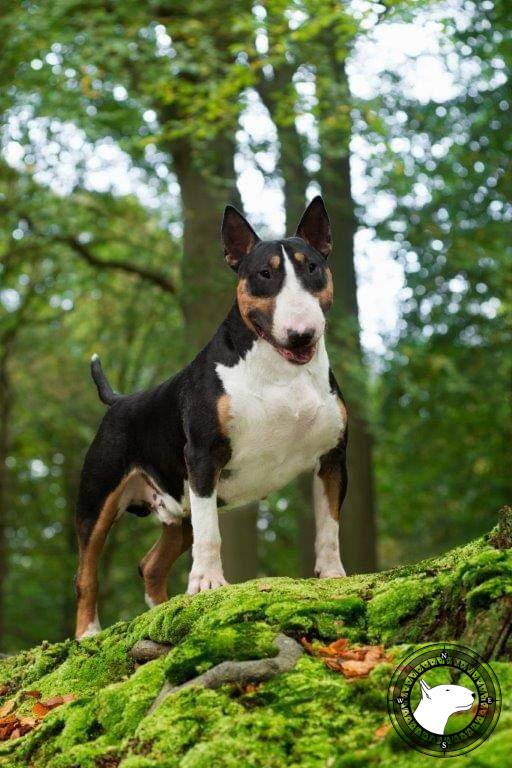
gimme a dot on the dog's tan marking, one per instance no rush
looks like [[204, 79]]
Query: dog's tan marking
[[224, 413], [343, 413], [331, 481], [155, 566], [248, 303], [275, 262], [325, 296], [89, 554], [298, 256], [136, 486]]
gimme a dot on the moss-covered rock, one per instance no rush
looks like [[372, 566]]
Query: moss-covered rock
[[310, 716]]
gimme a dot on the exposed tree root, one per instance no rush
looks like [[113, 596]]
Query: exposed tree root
[[241, 672], [147, 650]]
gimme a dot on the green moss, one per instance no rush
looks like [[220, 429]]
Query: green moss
[[488, 592], [390, 608], [488, 564], [206, 649], [309, 717]]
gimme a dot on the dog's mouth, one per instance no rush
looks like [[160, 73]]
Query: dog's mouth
[[297, 355]]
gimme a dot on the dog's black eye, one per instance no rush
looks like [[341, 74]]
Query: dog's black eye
[[311, 267], [264, 273]]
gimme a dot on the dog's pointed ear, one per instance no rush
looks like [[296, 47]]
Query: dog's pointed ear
[[238, 237], [425, 689], [315, 227]]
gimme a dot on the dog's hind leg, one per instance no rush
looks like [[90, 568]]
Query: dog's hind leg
[[154, 567], [92, 530]]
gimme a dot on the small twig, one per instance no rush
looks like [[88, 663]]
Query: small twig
[[241, 672]]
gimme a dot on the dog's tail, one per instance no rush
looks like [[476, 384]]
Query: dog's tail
[[105, 391]]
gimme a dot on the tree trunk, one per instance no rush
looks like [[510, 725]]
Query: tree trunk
[[5, 411], [358, 519], [207, 294], [358, 522]]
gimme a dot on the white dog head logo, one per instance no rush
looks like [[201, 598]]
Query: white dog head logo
[[438, 703]]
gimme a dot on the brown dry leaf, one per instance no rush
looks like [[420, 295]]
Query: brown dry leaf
[[28, 722], [308, 647], [382, 730], [7, 707], [15, 734], [7, 726], [250, 687], [52, 702], [57, 701], [351, 662], [31, 694], [8, 719], [337, 648], [40, 710]]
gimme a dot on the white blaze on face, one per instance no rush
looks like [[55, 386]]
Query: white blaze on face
[[296, 309]]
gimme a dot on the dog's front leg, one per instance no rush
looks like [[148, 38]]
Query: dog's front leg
[[206, 570], [329, 488]]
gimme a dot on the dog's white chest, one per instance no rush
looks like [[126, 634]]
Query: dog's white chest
[[282, 419]]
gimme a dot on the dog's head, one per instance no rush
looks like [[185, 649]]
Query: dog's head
[[447, 698], [284, 286]]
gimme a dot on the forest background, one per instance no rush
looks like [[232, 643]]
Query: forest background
[[125, 129]]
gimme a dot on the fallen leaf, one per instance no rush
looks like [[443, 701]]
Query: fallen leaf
[[40, 710], [308, 647], [57, 701], [350, 662], [8, 719], [7, 726], [15, 734], [250, 688], [54, 701], [382, 730], [31, 694], [29, 722], [334, 649], [7, 707]]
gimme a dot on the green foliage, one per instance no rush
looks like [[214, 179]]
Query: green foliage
[[445, 417]]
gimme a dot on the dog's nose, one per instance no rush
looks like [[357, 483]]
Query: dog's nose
[[473, 695], [300, 339]]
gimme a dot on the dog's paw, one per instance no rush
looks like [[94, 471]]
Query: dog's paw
[[92, 629], [330, 572], [200, 582]]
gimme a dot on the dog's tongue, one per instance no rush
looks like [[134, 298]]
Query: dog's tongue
[[299, 356]]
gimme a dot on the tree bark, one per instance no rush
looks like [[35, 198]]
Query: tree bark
[[7, 342], [358, 522], [358, 519], [5, 411], [207, 294]]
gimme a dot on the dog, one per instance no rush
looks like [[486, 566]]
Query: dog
[[258, 406], [438, 703]]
